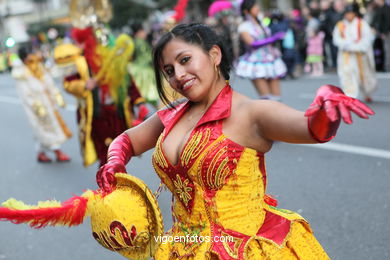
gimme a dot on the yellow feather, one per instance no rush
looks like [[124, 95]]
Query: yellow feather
[[20, 205]]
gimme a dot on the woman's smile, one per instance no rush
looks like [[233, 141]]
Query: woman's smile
[[187, 84]]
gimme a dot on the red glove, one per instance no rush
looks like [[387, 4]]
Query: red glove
[[119, 153], [327, 109]]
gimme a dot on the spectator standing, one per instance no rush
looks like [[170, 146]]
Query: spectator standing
[[356, 68], [298, 26], [315, 53], [314, 50], [329, 18], [280, 23], [381, 23]]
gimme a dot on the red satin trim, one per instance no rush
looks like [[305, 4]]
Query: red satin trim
[[170, 116], [237, 247], [274, 228], [270, 200], [219, 109]]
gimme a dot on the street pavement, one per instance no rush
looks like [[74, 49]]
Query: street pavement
[[341, 188]]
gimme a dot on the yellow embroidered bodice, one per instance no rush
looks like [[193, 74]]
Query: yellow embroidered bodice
[[219, 191]]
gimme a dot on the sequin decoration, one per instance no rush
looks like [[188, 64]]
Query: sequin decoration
[[182, 189], [195, 146], [158, 156]]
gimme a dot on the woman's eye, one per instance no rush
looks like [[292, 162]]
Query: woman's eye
[[185, 59], [169, 72]]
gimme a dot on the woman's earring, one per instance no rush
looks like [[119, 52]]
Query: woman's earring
[[217, 70]]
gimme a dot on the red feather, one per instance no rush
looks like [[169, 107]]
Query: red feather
[[180, 9], [87, 38], [71, 213]]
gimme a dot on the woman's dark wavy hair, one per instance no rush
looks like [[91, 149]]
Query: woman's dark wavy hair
[[247, 5], [196, 34]]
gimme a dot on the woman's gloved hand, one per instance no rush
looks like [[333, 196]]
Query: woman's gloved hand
[[328, 108], [119, 154]]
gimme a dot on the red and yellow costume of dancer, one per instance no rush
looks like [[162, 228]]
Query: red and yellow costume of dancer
[[107, 110], [219, 190]]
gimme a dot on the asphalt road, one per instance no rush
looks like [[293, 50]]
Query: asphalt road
[[341, 188]]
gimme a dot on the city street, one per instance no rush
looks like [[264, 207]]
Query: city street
[[341, 188]]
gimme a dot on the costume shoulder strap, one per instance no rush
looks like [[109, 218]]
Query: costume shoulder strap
[[172, 111]]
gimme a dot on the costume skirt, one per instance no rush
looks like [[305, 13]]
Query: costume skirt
[[257, 64], [298, 243]]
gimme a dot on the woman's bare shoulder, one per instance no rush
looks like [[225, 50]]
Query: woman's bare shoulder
[[242, 126], [247, 104]]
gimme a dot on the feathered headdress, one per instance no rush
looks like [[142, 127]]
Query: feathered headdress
[[87, 38], [115, 223], [114, 67], [219, 6], [180, 10]]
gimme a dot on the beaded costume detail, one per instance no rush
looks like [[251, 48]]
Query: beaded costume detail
[[219, 191]]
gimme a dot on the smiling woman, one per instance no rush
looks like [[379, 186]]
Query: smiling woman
[[210, 152], [210, 57]]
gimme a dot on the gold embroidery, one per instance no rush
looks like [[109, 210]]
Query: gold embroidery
[[182, 189], [237, 243], [195, 146], [215, 181], [158, 156]]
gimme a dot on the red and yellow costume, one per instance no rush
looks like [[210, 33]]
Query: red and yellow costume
[[219, 190], [221, 208], [106, 111]]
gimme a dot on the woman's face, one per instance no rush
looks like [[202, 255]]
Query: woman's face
[[255, 10], [188, 69]]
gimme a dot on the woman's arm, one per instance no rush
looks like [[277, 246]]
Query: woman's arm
[[319, 123], [339, 41], [278, 122], [144, 136], [133, 141], [247, 38]]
